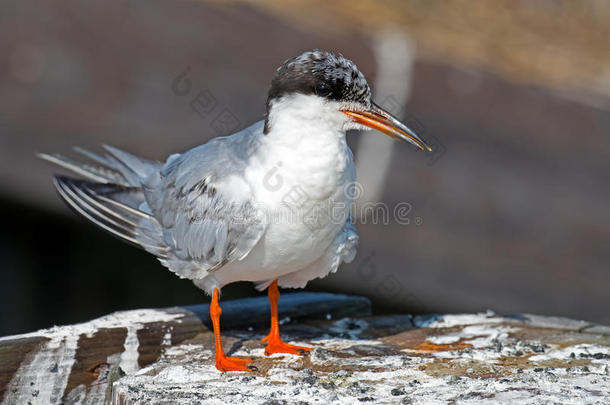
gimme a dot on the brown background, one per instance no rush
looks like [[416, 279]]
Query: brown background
[[515, 212]]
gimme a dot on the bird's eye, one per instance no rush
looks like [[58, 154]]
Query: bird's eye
[[322, 90]]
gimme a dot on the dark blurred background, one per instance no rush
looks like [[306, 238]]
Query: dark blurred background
[[511, 213]]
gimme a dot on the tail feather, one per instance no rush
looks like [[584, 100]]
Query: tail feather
[[121, 168], [129, 164], [111, 195], [115, 167], [99, 204], [95, 173], [103, 160]]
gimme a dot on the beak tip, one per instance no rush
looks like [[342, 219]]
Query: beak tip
[[379, 119]]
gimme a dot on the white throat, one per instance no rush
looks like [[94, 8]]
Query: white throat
[[297, 117], [306, 141]]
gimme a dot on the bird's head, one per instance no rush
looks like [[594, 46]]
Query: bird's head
[[323, 86]]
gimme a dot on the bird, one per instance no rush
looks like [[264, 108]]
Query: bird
[[269, 204]]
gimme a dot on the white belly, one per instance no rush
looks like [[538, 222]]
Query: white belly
[[306, 208]]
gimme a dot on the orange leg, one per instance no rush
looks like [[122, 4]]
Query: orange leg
[[224, 363], [275, 344]]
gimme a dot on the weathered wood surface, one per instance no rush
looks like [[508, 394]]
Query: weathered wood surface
[[166, 356], [78, 363]]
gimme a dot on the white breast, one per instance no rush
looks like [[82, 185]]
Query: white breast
[[299, 176]]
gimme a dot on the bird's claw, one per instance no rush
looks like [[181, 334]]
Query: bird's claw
[[225, 364], [278, 346]]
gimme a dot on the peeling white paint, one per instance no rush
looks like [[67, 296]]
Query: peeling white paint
[[129, 357], [449, 321], [115, 320], [31, 382], [167, 339]]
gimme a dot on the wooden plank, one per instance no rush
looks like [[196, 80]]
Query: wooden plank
[[80, 362]]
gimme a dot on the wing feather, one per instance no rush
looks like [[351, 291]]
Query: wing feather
[[183, 212], [205, 222]]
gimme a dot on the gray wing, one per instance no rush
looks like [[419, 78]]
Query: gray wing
[[206, 220], [181, 211]]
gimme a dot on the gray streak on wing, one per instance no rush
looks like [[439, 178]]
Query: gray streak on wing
[[203, 225]]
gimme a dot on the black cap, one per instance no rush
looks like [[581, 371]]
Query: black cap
[[321, 73]]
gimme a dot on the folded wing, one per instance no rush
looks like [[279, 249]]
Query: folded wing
[[185, 212]]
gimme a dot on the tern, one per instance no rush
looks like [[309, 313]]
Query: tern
[[269, 204]]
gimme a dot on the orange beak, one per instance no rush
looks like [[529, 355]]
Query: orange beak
[[381, 120]]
